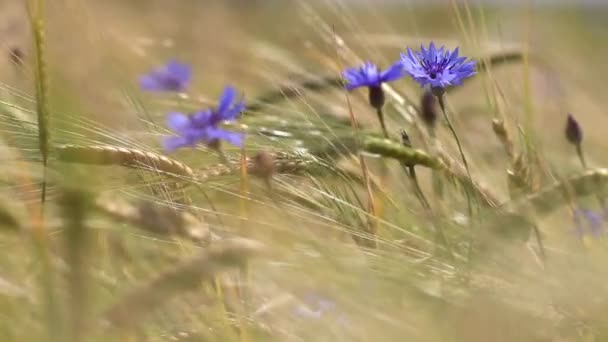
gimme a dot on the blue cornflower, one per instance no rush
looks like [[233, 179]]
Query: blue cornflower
[[368, 75], [438, 68], [595, 222], [203, 126], [173, 76]]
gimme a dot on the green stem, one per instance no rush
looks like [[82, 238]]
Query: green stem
[[464, 158], [581, 155], [539, 240], [451, 127], [464, 162], [411, 171], [381, 119]]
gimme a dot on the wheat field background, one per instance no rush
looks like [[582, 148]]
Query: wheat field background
[[329, 248]]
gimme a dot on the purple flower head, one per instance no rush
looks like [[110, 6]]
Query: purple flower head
[[173, 76], [203, 126], [438, 68], [594, 222], [574, 133], [368, 75]]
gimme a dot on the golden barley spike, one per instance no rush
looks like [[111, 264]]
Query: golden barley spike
[[155, 218], [124, 156]]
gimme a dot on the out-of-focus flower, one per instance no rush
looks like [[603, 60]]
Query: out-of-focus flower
[[438, 68], [370, 76], [314, 306], [173, 76], [203, 126], [574, 133], [588, 222]]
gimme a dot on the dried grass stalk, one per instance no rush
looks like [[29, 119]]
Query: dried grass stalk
[[284, 162], [456, 171], [184, 277], [544, 202], [156, 218], [501, 132], [515, 218]]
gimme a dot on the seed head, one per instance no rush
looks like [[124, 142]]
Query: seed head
[[263, 165], [17, 56], [405, 139], [376, 97], [574, 133], [428, 107]]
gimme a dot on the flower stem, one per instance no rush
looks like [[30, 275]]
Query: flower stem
[[410, 170], [381, 119], [581, 155], [451, 127], [464, 159]]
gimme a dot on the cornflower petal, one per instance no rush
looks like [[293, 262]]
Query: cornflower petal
[[234, 138], [203, 126], [226, 99], [394, 72], [369, 75], [177, 121], [171, 144], [173, 76]]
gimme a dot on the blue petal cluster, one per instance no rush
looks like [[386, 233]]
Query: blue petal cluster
[[317, 307], [173, 76], [593, 226], [438, 68], [369, 75], [204, 126]]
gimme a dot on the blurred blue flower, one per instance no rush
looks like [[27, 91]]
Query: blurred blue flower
[[173, 76], [594, 223], [438, 68], [316, 306], [368, 75], [203, 126]]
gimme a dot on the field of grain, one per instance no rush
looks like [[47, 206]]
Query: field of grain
[[320, 227]]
